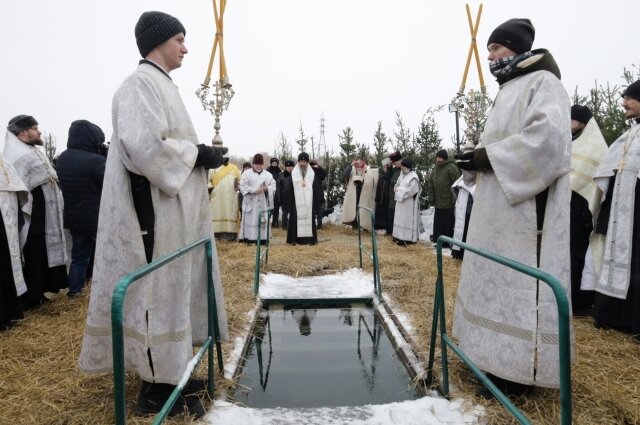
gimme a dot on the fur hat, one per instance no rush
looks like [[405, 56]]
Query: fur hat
[[442, 154], [581, 113], [154, 28], [272, 160], [21, 122], [303, 156], [289, 163], [515, 34], [258, 159], [633, 91], [396, 156]]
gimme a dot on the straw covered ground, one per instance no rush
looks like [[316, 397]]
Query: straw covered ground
[[40, 384]]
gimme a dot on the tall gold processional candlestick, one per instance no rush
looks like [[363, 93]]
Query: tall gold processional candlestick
[[222, 90]]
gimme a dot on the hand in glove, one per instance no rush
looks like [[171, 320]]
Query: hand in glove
[[473, 160], [209, 157]]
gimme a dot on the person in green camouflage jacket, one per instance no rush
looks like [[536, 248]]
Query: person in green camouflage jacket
[[440, 195]]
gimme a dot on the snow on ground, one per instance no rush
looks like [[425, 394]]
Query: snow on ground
[[352, 283], [423, 411]]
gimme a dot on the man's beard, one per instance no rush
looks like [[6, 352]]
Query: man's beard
[[38, 142]]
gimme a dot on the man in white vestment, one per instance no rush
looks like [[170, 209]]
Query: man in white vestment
[[15, 211], [224, 182], [587, 148], [154, 201], [361, 190], [301, 202], [45, 250], [613, 262], [407, 195], [506, 321], [258, 187]]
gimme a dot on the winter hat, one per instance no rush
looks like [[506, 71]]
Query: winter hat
[[581, 113], [442, 154], [21, 122], [303, 156], [83, 133], [272, 160], [258, 159], [515, 34], [246, 165], [385, 161], [288, 163], [154, 28], [407, 163], [396, 156], [633, 91]]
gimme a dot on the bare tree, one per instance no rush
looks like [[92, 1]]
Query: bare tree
[[50, 146]]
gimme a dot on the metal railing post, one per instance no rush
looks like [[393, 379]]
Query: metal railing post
[[256, 275], [377, 281], [117, 304], [563, 332]]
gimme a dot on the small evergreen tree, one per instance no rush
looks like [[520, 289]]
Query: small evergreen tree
[[380, 141], [348, 148], [403, 140], [283, 148], [302, 140]]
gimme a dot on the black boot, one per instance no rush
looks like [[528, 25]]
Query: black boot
[[154, 395]]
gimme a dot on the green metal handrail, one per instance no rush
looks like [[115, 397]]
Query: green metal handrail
[[256, 276], [117, 304], [373, 255], [563, 332]]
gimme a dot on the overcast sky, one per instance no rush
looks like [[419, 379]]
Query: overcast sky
[[358, 61]]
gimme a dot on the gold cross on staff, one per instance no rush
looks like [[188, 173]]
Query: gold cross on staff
[[473, 49], [217, 41]]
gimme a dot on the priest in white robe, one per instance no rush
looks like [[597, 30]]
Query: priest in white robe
[[613, 261], [258, 188], [361, 190], [506, 321], [223, 200], [45, 250], [15, 212], [406, 221], [154, 201], [301, 201]]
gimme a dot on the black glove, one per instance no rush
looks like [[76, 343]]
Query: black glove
[[209, 157], [474, 160], [466, 161]]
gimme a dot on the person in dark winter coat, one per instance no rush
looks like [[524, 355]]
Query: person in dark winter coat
[[441, 197], [276, 172], [382, 197], [81, 172], [319, 175], [286, 175], [393, 175]]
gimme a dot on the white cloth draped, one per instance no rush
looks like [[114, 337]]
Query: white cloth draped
[[407, 215], [303, 195], [462, 190]]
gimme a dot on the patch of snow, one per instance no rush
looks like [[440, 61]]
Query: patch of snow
[[423, 411], [352, 283]]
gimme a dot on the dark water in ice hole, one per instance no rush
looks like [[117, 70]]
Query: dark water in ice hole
[[322, 357]]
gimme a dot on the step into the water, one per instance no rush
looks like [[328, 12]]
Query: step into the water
[[316, 357]]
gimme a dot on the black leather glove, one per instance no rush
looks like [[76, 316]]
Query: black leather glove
[[210, 157], [475, 160], [466, 161]]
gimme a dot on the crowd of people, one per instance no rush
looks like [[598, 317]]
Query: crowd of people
[[541, 187]]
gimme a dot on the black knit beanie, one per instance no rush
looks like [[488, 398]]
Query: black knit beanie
[[154, 28], [442, 154], [514, 34], [581, 113], [633, 91], [407, 163], [21, 122]]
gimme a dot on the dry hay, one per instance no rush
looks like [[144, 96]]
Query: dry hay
[[39, 381]]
